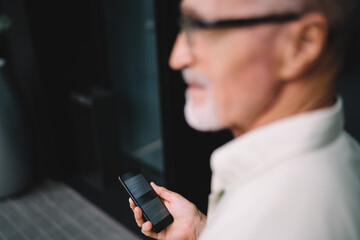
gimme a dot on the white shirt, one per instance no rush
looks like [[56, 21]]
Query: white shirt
[[294, 179]]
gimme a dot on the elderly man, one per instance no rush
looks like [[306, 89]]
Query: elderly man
[[266, 69]]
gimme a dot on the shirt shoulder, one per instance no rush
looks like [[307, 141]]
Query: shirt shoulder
[[314, 195]]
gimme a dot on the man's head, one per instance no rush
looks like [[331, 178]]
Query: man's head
[[247, 76]]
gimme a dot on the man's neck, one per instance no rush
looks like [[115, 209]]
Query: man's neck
[[294, 98]]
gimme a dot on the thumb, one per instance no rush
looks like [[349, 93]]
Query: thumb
[[163, 192]]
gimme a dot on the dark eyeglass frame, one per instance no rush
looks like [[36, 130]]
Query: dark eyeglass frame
[[187, 25], [226, 23]]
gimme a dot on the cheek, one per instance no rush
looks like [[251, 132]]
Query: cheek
[[245, 92], [242, 77]]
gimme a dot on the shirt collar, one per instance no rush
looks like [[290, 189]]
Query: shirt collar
[[264, 147]]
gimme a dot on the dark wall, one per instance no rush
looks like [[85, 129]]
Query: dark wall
[[67, 41], [349, 90]]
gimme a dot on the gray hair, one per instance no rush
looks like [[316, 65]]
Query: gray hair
[[344, 24], [340, 13]]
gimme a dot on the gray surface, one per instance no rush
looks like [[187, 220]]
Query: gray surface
[[53, 211]]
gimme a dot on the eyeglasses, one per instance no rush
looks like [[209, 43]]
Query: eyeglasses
[[188, 25]]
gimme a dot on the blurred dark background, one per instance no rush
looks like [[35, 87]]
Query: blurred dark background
[[97, 97]]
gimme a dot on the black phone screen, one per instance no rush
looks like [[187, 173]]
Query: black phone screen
[[146, 198]]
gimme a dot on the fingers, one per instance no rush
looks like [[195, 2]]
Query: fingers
[[132, 204], [137, 213], [163, 192], [146, 227], [147, 230], [138, 216]]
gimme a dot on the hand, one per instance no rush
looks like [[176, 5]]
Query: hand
[[188, 220]]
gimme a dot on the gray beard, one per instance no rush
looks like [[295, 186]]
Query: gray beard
[[202, 118]]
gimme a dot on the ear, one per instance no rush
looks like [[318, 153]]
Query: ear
[[303, 46]]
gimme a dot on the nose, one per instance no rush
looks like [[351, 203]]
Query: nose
[[181, 55]]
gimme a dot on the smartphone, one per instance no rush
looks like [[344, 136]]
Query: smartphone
[[145, 197]]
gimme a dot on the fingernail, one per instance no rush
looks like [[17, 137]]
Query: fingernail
[[142, 231]]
